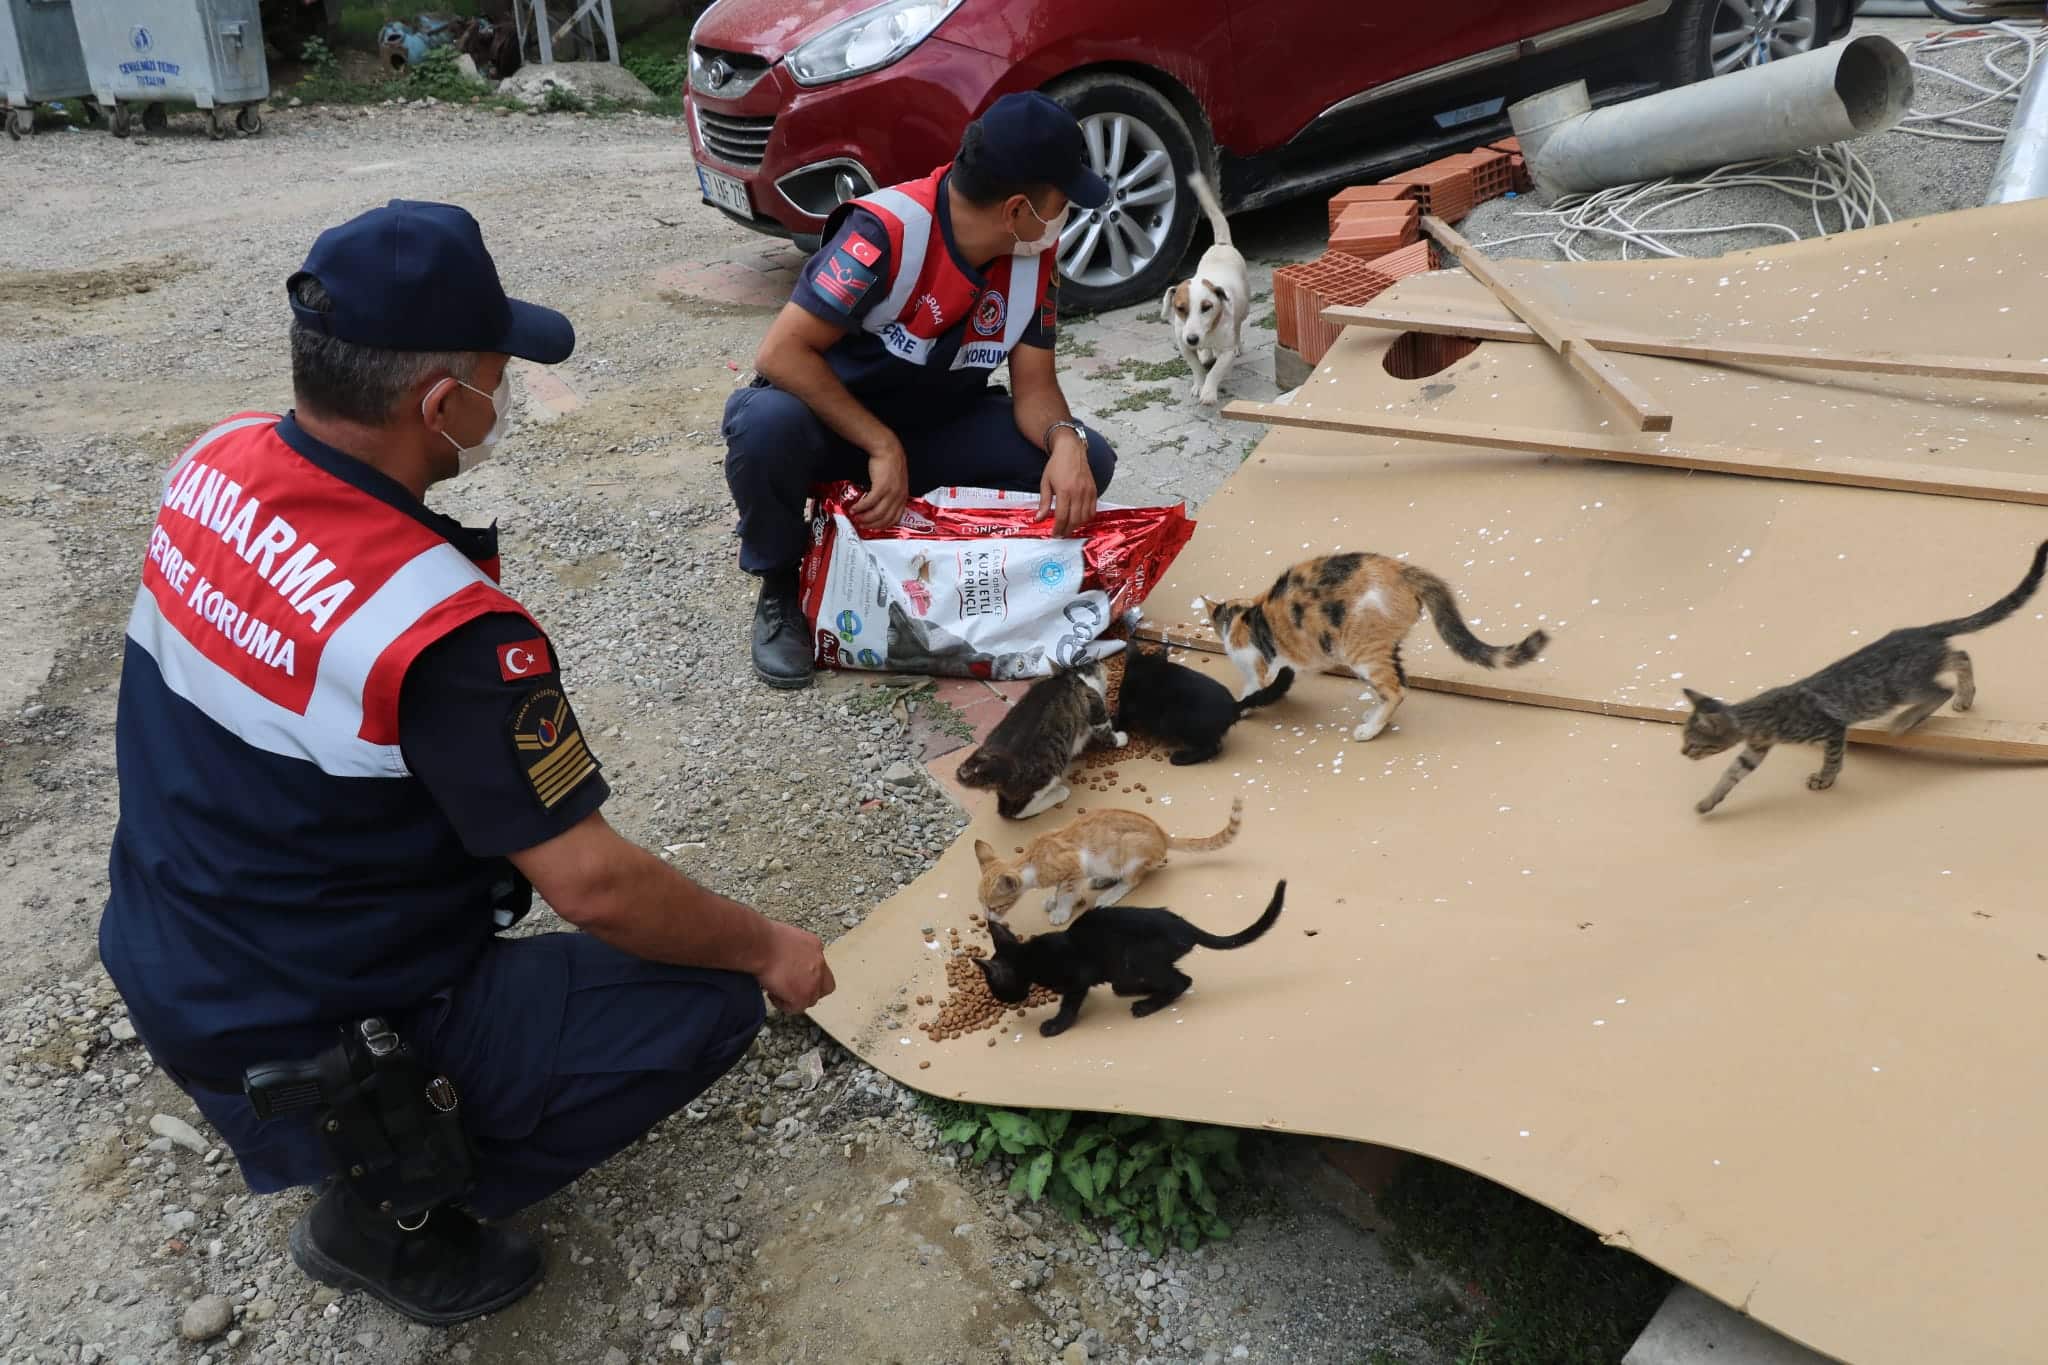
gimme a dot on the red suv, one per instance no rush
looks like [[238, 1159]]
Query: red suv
[[798, 105]]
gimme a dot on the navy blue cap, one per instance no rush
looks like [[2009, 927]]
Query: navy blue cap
[[1030, 139], [416, 277]]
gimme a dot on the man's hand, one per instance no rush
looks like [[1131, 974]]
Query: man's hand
[[616, 891], [1069, 484], [795, 975], [888, 487]]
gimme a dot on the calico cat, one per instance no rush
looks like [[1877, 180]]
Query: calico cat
[[921, 647], [1025, 757], [1350, 612], [1902, 670], [1131, 949], [1094, 860], [1182, 706]]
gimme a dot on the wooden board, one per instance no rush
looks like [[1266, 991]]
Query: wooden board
[[1853, 471], [1790, 1052], [1962, 736], [1444, 321], [1560, 334]]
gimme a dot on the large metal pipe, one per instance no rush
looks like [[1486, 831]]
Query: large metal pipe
[[1833, 93], [2023, 166]]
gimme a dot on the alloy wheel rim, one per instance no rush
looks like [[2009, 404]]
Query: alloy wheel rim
[[1750, 33], [1107, 246]]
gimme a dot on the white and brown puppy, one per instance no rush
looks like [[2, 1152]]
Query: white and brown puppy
[[1207, 311]]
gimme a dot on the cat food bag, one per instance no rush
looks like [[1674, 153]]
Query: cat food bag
[[969, 584]]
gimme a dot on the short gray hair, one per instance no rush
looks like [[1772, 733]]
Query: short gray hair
[[363, 384]]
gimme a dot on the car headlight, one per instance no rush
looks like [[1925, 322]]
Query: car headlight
[[868, 41]]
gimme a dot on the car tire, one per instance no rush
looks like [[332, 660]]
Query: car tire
[[1690, 37], [1151, 124]]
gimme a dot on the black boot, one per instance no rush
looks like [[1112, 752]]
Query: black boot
[[450, 1269], [782, 639]]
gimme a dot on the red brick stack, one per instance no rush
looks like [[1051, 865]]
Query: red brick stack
[[1375, 240], [1371, 229], [1395, 266], [1445, 188], [1367, 194], [1516, 163], [1492, 172], [1302, 292]]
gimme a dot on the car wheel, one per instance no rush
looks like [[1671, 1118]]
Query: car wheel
[[1715, 37], [1129, 249]]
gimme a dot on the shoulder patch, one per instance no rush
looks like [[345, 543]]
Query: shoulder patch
[[861, 249], [525, 659], [549, 745], [841, 280]]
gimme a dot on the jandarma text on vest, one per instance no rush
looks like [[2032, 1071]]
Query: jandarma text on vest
[[217, 504]]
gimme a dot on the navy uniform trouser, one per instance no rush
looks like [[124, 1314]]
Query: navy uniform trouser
[[564, 1050], [776, 449]]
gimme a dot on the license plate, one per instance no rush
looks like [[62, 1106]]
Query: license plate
[[726, 192]]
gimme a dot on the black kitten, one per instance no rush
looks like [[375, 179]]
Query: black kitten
[[1183, 706], [1129, 948], [1025, 758], [1902, 670]]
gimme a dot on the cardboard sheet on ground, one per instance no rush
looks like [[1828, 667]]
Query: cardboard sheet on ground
[[1963, 284], [1790, 1053]]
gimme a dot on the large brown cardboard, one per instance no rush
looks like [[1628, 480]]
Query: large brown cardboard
[[1791, 1052]]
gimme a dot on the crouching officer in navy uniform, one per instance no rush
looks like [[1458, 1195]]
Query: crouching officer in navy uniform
[[878, 368], [347, 759]]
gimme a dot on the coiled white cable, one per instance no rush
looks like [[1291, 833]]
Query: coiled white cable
[[1833, 180], [2006, 45]]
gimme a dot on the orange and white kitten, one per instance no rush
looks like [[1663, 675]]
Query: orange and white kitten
[[1094, 860]]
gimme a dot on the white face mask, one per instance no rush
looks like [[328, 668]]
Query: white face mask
[[1053, 228], [469, 457]]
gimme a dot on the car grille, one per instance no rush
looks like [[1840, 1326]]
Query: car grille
[[725, 75], [736, 141]]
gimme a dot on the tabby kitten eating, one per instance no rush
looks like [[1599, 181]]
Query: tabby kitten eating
[[1094, 860], [1350, 612], [1902, 670], [1182, 706], [1025, 757], [1131, 949]]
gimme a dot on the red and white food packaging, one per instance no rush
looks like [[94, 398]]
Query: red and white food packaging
[[970, 583]]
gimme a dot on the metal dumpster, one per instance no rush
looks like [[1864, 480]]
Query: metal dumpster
[[40, 59], [140, 53]]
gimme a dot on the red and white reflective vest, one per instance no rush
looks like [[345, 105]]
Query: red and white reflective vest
[[287, 604], [930, 294]]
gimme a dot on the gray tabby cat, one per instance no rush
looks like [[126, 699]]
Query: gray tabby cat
[[1903, 669], [1025, 757]]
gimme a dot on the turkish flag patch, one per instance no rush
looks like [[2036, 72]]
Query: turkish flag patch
[[526, 659], [861, 249]]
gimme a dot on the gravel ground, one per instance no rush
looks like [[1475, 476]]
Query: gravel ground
[[141, 300]]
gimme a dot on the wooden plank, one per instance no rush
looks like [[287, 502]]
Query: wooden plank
[[1854, 471], [1449, 322], [1627, 397], [1964, 736]]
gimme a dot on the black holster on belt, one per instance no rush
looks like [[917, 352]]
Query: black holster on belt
[[391, 1126]]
